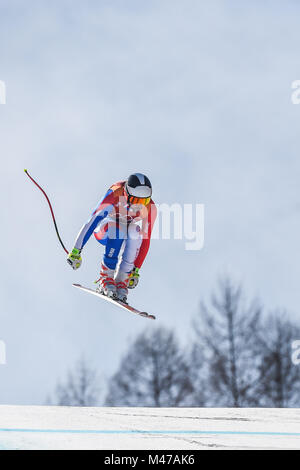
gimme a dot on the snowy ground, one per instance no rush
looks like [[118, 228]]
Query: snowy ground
[[24, 427]]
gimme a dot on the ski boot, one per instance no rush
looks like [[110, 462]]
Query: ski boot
[[107, 285], [121, 281]]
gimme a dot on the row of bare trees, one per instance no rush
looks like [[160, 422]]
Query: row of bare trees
[[240, 356]]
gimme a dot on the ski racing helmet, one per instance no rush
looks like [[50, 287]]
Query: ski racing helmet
[[138, 189]]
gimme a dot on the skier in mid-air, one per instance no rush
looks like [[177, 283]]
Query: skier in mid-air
[[123, 219]]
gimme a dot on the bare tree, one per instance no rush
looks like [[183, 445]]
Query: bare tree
[[225, 340], [80, 388], [154, 372], [279, 378]]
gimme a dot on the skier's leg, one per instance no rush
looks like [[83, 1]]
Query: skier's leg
[[113, 242], [112, 251], [131, 250]]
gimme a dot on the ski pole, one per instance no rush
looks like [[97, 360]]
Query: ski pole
[[52, 213]]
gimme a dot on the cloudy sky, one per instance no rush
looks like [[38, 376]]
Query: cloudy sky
[[197, 95]]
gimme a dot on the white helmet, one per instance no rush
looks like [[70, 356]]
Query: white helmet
[[138, 186]]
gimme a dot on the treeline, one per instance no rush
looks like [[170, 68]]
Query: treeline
[[240, 356]]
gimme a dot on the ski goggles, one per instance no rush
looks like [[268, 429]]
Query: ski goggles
[[139, 200]]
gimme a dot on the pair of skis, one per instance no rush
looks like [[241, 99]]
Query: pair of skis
[[115, 302]]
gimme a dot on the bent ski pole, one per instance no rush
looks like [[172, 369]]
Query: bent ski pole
[[52, 213]]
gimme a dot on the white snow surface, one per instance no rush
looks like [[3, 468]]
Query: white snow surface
[[50, 427]]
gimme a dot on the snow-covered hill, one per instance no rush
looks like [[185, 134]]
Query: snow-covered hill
[[25, 427]]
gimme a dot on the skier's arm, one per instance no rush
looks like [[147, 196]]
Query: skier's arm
[[102, 210], [105, 207], [146, 240]]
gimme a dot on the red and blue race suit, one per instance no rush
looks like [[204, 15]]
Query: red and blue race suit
[[111, 222]]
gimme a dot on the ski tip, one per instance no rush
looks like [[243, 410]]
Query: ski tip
[[147, 315], [76, 285], [26, 171]]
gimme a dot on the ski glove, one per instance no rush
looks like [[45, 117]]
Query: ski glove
[[74, 258], [133, 278]]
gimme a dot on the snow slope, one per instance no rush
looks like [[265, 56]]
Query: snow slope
[[44, 427]]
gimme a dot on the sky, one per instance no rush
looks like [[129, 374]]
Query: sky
[[197, 95]]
